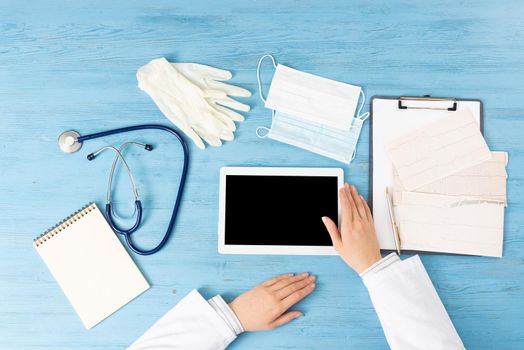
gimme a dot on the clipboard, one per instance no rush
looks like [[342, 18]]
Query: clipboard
[[406, 113]]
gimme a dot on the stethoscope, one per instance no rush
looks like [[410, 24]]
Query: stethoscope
[[71, 141]]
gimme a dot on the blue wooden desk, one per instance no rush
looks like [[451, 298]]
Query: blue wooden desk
[[71, 65]]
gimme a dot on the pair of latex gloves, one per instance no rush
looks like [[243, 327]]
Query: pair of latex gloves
[[195, 98]]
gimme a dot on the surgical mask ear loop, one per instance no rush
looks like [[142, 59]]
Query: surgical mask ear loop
[[365, 115], [362, 117], [258, 74], [263, 128], [259, 81]]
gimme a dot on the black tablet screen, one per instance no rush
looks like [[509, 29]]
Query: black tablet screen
[[279, 210]]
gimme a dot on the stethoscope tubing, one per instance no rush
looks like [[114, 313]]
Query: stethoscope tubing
[[127, 233]]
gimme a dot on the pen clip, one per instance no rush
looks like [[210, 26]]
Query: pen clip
[[396, 233]]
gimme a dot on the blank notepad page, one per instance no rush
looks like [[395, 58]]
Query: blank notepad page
[[91, 266]]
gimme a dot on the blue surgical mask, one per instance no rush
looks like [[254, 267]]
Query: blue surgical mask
[[334, 136]]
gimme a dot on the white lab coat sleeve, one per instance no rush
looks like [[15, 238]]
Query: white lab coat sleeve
[[408, 306], [192, 324]]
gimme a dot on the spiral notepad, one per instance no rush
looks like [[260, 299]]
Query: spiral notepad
[[90, 264]]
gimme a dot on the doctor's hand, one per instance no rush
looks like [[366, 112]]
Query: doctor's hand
[[356, 241], [266, 306]]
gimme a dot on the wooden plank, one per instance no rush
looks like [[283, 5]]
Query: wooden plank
[[71, 65]]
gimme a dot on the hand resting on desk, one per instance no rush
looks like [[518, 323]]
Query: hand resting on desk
[[265, 306]]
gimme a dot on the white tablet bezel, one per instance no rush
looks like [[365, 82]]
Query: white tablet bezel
[[271, 249]]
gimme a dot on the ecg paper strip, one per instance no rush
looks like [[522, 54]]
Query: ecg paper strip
[[446, 224], [437, 150], [486, 180]]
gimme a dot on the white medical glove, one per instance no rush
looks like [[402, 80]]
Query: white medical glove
[[192, 102], [210, 80]]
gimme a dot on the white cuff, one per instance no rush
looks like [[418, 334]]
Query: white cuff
[[225, 312], [380, 265]]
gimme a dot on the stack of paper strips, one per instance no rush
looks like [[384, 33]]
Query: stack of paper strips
[[449, 190], [486, 180]]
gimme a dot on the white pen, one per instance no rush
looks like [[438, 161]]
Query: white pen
[[394, 226]]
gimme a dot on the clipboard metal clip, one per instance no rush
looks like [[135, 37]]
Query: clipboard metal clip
[[427, 98]]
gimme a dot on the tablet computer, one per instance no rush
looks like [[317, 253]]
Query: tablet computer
[[277, 210]]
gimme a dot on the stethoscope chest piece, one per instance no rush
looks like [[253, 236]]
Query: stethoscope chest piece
[[67, 141]]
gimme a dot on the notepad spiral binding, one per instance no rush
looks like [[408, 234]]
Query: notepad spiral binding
[[53, 231]]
